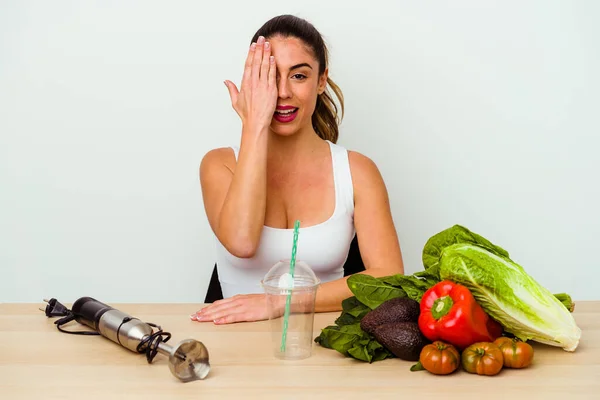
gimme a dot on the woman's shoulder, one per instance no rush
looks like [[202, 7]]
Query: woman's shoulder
[[365, 173], [361, 164], [220, 153], [358, 161], [218, 156]]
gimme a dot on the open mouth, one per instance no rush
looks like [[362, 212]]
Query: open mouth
[[285, 115]]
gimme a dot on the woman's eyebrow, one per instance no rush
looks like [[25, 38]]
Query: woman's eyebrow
[[300, 66]]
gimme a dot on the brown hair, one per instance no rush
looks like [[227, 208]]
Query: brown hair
[[325, 119]]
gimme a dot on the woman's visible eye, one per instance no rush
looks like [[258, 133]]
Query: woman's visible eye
[[299, 76]]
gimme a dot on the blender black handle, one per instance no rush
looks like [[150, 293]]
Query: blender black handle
[[88, 311]]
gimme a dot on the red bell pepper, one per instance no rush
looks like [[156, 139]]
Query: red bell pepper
[[450, 313]]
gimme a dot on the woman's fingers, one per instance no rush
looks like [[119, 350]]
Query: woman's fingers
[[272, 73], [216, 310], [266, 64], [216, 314], [218, 305], [239, 313], [233, 92], [247, 77], [231, 318], [250, 311], [257, 61], [239, 308]]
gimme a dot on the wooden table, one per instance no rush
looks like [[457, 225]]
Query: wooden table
[[39, 362]]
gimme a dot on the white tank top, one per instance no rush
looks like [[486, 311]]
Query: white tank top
[[324, 247]]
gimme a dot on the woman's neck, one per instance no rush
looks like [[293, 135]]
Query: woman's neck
[[290, 151]]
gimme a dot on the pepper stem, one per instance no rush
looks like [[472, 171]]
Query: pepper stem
[[441, 307]]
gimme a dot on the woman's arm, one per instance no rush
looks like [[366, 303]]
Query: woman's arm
[[379, 245], [235, 195]]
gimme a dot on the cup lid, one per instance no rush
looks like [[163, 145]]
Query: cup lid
[[279, 276]]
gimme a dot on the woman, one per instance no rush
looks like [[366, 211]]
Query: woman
[[289, 168]]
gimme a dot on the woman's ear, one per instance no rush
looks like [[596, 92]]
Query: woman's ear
[[323, 81]]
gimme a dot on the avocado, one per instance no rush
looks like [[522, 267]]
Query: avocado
[[399, 309], [403, 339]]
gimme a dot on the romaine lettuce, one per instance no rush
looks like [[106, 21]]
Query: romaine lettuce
[[509, 295]]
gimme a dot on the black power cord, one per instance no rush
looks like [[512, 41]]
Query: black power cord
[[56, 309], [149, 344]]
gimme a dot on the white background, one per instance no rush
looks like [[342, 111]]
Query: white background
[[483, 114]]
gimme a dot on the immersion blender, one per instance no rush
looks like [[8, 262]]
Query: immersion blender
[[188, 361]]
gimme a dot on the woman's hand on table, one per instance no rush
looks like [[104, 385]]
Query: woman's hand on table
[[240, 308]]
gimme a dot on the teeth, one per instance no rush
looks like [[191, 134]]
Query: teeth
[[286, 112]]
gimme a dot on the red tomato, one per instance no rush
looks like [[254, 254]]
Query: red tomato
[[483, 358], [516, 353], [439, 358]]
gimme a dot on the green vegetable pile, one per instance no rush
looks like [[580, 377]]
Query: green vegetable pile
[[504, 290]]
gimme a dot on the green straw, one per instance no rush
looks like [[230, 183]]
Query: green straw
[[289, 296]]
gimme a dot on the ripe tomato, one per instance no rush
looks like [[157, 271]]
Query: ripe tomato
[[482, 358], [516, 353], [439, 358]]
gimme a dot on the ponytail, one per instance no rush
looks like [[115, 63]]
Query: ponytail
[[326, 118]]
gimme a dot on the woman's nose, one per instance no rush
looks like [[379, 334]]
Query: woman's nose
[[283, 89]]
